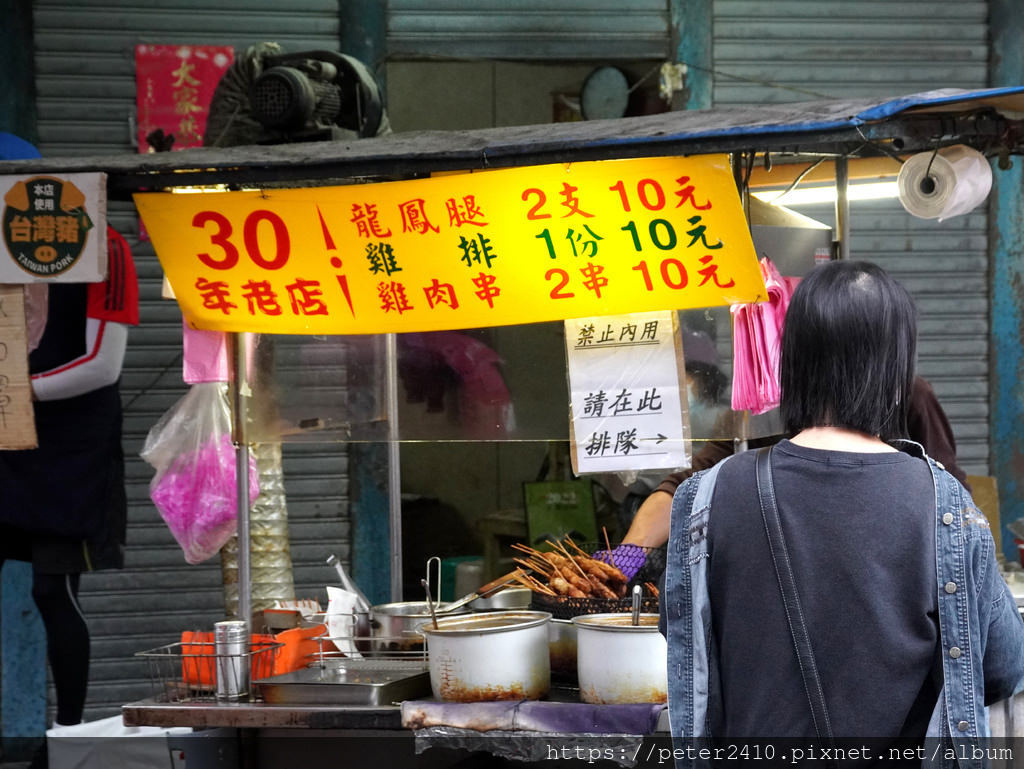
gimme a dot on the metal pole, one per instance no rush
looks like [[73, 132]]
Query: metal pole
[[842, 250], [239, 408], [394, 466], [363, 34], [738, 161]]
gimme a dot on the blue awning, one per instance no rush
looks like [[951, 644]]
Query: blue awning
[[849, 127]]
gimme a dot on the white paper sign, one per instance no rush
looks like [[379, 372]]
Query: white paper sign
[[54, 228], [627, 393]]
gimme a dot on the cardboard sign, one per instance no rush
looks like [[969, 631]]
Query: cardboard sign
[[17, 419], [54, 228], [626, 389], [508, 246]]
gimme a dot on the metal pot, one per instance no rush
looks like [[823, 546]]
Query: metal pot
[[394, 627], [562, 645], [489, 656], [509, 598], [618, 662]]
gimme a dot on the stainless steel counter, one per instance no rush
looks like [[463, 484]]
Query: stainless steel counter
[[260, 715]]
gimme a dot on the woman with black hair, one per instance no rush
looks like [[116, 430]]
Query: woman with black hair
[[841, 584]]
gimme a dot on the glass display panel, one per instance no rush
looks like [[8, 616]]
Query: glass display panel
[[503, 384]]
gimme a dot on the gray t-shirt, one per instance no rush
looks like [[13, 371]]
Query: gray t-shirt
[[861, 536]]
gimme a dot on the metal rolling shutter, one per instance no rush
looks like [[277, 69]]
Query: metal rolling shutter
[[804, 49], [789, 50], [529, 29], [85, 82], [944, 265]]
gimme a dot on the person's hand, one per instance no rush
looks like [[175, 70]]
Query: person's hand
[[651, 523], [649, 529], [628, 559]]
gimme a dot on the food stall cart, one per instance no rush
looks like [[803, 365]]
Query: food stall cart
[[730, 141]]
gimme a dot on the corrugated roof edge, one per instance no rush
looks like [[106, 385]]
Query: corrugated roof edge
[[797, 126]]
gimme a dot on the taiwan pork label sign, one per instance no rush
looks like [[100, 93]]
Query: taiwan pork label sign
[[54, 228], [500, 247]]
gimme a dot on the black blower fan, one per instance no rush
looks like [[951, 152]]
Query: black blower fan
[[270, 97]]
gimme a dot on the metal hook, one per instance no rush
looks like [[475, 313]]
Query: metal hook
[[434, 560]]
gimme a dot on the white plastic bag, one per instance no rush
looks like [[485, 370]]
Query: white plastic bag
[[341, 620], [195, 487]]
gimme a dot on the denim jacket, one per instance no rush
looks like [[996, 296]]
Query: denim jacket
[[981, 632]]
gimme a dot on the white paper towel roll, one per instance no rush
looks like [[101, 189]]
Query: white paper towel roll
[[948, 183]]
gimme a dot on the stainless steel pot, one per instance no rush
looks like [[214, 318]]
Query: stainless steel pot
[[619, 662], [562, 645], [490, 656], [508, 598], [394, 627]]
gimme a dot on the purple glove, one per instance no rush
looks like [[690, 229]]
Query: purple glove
[[628, 559]]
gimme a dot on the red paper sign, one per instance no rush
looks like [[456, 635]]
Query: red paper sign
[[174, 85]]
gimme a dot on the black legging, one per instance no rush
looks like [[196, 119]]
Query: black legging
[[67, 641]]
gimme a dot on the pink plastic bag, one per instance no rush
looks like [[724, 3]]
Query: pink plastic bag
[[195, 487], [205, 355], [757, 344]]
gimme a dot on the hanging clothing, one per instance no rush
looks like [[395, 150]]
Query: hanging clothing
[[63, 506]]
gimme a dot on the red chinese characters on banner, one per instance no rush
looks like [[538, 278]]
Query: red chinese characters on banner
[[173, 88], [460, 251], [660, 251]]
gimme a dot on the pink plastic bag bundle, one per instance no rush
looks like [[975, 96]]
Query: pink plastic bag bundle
[[757, 343], [205, 355], [195, 487]]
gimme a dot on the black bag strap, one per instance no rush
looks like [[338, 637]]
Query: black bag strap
[[790, 599]]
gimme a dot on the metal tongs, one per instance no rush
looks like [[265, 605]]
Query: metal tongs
[[486, 591], [430, 602]]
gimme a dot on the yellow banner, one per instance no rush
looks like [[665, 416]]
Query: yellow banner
[[493, 248]]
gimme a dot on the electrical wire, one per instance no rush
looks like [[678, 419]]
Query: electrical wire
[[800, 177], [756, 81], [708, 70], [883, 148]]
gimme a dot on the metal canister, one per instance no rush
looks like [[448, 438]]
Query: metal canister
[[231, 645]]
